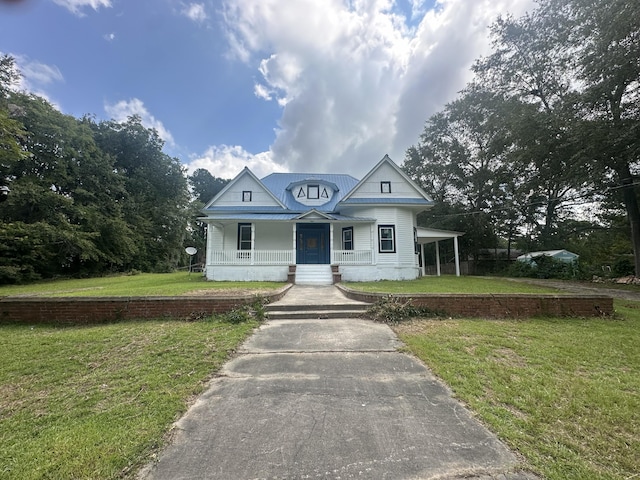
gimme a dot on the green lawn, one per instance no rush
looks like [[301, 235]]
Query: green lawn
[[95, 402], [563, 392], [131, 285], [450, 284]]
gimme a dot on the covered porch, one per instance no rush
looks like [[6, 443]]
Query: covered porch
[[426, 236], [265, 249]]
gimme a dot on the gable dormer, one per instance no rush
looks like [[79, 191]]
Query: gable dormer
[[386, 183], [245, 191]]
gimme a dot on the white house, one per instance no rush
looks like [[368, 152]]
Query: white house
[[259, 229]]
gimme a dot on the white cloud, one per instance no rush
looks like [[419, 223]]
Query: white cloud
[[123, 109], [195, 12], [225, 161], [76, 6], [36, 76], [109, 37], [355, 80], [36, 73]]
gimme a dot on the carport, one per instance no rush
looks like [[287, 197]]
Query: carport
[[426, 236]]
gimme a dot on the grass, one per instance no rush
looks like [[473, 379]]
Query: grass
[[95, 402], [450, 284], [565, 393], [143, 284]]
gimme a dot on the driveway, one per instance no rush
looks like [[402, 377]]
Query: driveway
[[583, 288], [329, 399]]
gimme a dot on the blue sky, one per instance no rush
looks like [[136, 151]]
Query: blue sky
[[326, 86]]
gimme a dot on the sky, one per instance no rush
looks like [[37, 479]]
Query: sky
[[312, 86]]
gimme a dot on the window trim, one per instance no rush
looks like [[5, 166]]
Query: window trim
[[392, 228], [241, 242], [344, 242], [315, 189], [385, 187]]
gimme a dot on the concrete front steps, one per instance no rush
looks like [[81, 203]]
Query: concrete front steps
[[313, 275], [297, 312]]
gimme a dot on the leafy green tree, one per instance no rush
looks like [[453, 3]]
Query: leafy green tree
[[63, 198], [204, 185], [460, 160], [11, 130], [155, 204], [577, 62]]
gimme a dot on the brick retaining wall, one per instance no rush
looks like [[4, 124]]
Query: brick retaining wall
[[91, 310], [501, 305]]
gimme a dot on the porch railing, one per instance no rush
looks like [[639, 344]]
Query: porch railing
[[284, 257], [253, 257], [351, 257]]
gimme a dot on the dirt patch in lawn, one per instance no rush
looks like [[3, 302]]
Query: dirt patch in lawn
[[230, 292]]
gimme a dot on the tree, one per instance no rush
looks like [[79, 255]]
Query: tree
[[156, 199], [11, 130], [460, 160], [204, 185], [61, 214], [578, 63]]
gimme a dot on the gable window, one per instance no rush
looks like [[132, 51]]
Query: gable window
[[246, 196], [244, 236], [347, 238], [387, 238], [313, 191], [385, 187]]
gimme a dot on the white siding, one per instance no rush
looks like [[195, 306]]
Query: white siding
[[403, 220], [400, 188], [274, 236], [233, 196]]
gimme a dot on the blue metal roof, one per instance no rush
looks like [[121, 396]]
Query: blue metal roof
[[283, 217], [390, 201], [243, 208], [277, 183]]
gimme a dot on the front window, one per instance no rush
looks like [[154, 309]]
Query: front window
[[387, 238], [244, 236], [347, 238]]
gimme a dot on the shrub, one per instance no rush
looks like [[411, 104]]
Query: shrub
[[622, 267], [545, 267], [246, 313], [393, 310]]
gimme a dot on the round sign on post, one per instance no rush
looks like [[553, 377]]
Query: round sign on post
[[191, 251]]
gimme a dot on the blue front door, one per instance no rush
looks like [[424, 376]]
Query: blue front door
[[312, 244]]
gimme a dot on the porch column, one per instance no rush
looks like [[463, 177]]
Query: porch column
[[331, 243], [437, 258], [293, 246], [455, 251], [372, 242], [424, 260], [253, 241]]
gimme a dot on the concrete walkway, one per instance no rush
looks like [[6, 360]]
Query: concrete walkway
[[329, 399]]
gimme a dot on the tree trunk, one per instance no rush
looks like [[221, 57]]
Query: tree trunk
[[633, 211]]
